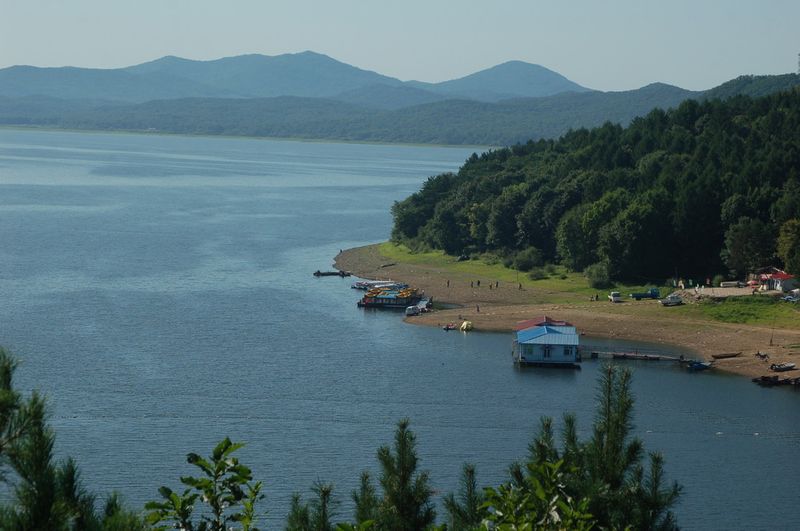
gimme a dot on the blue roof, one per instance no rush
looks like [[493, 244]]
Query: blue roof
[[556, 335], [537, 331]]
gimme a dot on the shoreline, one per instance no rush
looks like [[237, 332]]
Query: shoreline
[[498, 309], [309, 140]]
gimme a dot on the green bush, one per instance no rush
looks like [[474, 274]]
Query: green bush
[[491, 259], [527, 259], [598, 275], [717, 280], [537, 273]]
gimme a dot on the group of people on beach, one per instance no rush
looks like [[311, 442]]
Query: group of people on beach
[[477, 284]]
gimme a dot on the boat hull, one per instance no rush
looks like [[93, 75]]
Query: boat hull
[[401, 304], [725, 355]]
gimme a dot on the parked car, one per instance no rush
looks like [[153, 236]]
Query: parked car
[[671, 300], [614, 296]]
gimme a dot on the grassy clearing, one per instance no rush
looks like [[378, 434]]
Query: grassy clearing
[[755, 310], [557, 285], [560, 286]]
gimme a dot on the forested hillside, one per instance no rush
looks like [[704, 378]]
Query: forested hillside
[[439, 122], [373, 113], [702, 189]]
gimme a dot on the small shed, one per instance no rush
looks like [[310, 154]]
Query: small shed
[[778, 280], [547, 345], [784, 282]]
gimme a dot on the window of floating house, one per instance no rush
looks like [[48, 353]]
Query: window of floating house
[[546, 351]]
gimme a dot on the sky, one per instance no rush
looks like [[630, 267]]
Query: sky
[[604, 45]]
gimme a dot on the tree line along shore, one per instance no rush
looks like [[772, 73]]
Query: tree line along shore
[[708, 189]]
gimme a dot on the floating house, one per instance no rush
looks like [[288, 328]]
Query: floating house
[[546, 345]]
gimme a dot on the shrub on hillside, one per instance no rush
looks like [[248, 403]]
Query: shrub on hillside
[[538, 273], [598, 275], [527, 259]]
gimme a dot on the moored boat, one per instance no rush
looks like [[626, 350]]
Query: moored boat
[[767, 381], [781, 367], [319, 273], [774, 380], [697, 365], [726, 355], [370, 284], [390, 298]]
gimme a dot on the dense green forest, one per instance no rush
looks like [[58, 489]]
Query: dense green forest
[[597, 483], [706, 188]]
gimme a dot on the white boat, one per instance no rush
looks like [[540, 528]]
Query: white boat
[[371, 284]]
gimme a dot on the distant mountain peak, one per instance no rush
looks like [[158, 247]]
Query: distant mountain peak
[[304, 74], [508, 80]]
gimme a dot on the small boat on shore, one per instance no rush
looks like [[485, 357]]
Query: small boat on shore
[[697, 365], [775, 380], [450, 326], [781, 367], [767, 381], [726, 355]]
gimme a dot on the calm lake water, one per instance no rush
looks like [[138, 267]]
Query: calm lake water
[[158, 290]]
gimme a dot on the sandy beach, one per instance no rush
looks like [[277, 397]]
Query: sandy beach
[[502, 306]]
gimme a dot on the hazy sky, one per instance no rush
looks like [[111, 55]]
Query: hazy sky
[[607, 45]]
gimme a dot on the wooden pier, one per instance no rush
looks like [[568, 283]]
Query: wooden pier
[[625, 353]]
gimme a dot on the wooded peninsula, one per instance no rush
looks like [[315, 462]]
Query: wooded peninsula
[[708, 188]]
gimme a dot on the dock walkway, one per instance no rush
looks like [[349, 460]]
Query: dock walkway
[[606, 351]]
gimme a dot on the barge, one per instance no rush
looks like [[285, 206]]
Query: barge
[[390, 298]]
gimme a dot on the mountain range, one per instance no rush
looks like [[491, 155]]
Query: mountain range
[[310, 95]]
